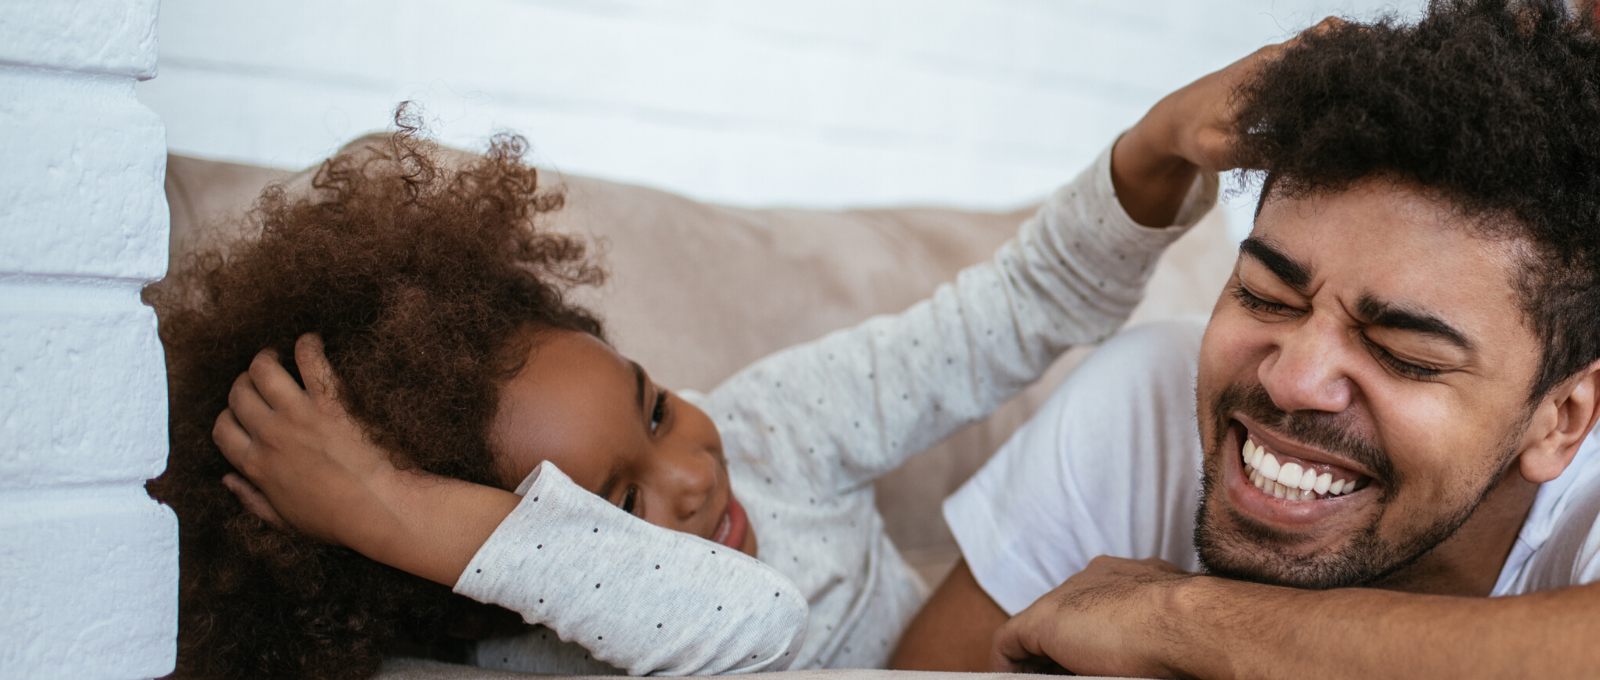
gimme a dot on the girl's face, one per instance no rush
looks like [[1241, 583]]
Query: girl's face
[[599, 417]]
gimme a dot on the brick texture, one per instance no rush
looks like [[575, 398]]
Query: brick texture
[[82, 403], [77, 199], [117, 37], [88, 585], [88, 562]]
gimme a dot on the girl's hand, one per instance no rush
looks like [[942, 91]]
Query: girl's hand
[[252, 499], [1190, 130], [307, 463]]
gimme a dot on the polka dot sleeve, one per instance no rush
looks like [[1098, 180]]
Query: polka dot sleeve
[[642, 598], [860, 401]]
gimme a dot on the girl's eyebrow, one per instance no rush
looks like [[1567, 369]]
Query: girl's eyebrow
[[610, 484], [638, 380], [616, 467]]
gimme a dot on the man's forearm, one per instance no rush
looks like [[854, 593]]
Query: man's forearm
[[1223, 628]]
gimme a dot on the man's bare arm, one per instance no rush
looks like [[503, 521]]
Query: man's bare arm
[[954, 629], [1146, 618]]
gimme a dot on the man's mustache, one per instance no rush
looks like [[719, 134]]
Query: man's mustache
[[1316, 429]]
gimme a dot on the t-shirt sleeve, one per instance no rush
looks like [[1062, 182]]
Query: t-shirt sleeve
[[1578, 521], [642, 598], [1108, 466], [859, 401], [1569, 555], [1586, 568]]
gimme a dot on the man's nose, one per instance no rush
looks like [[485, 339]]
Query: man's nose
[[1308, 370]]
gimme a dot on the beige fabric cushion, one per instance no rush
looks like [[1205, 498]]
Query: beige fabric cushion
[[416, 669], [697, 291]]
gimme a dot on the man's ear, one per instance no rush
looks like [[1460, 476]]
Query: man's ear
[[1560, 423]]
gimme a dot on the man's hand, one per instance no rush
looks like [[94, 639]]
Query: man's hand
[[1154, 164], [1106, 620]]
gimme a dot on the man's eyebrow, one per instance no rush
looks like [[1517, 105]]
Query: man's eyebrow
[[1389, 315], [1297, 275]]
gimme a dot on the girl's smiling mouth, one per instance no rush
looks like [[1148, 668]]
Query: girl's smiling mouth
[[730, 530]]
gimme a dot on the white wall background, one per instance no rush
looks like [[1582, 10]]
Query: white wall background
[[978, 103], [88, 562]]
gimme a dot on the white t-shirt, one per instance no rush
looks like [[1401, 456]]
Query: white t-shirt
[[1110, 465]]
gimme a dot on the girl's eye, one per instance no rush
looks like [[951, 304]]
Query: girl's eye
[[659, 413], [631, 499]]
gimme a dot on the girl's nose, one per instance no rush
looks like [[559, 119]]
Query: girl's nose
[[689, 480]]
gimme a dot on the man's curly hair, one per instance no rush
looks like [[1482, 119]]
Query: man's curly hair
[[1493, 106], [418, 276]]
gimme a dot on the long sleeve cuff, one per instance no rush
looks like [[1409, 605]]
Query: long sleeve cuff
[[1104, 243], [642, 598]]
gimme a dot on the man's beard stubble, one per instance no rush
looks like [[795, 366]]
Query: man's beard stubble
[[1251, 551]]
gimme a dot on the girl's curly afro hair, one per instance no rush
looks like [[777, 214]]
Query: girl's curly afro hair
[[418, 276], [1493, 106]]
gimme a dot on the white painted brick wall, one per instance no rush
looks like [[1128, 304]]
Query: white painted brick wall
[[85, 137], [88, 562], [811, 102]]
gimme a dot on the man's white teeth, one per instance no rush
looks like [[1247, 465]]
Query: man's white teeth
[[1289, 475], [1269, 466], [1290, 481]]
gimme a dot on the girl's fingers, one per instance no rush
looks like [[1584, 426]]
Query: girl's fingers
[[231, 439], [276, 386], [250, 410], [314, 367], [252, 499]]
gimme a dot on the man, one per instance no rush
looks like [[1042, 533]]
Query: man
[[1393, 396]]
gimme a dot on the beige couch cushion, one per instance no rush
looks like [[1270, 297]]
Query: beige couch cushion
[[697, 291], [416, 669]]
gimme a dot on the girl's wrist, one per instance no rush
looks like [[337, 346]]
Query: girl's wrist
[[432, 526], [379, 525], [1150, 177]]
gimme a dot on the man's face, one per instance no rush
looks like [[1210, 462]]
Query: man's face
[[1373, 350]]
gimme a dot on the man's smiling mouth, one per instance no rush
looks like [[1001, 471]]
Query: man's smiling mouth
[[1295, 479]]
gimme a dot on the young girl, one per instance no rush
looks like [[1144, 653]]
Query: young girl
[[777, 461]]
